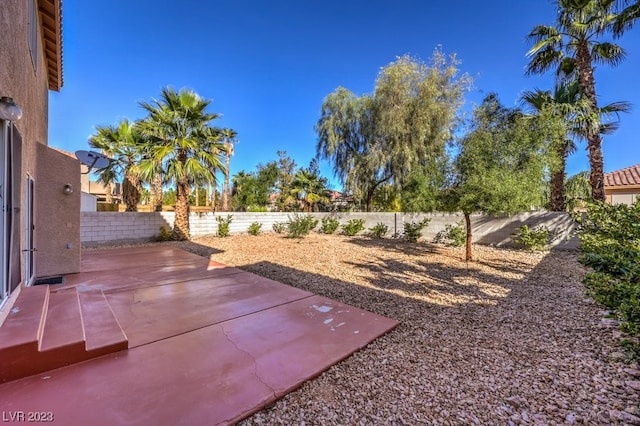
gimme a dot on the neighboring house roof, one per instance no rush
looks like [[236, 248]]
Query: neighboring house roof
[[50, 12], [629, 176]]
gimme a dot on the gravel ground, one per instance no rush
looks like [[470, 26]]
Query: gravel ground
[[508, 339]]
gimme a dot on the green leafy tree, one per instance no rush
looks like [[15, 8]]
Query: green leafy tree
[[123, 144], [287, 199], [382, 138], [572, 47], [253, 189], [500, 168], [182, 139]]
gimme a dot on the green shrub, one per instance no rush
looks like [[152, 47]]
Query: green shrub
[[379, 230], [256, 209], [164, 235], [224, 225], [255, 228], [413, 230], [280, 227], [610, 244], [299, 225], [352, 227], [452, 235], [537, 238], [329, 225]]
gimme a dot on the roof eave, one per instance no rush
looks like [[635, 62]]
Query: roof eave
[[50, 12]]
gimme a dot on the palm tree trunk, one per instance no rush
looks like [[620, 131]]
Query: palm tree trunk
[[197, 195], [108, 189], [181, 220], [157, 193], [594, 140], [131, 191], [469, 252], [225, 187], [558, 199]]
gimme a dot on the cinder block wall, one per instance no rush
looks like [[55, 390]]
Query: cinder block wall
[[113, 227]]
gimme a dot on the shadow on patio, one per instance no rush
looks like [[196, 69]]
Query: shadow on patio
[[207, 344]]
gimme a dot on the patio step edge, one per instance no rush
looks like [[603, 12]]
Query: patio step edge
[[63, 323], [102, 331]]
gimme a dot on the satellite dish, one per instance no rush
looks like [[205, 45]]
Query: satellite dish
[[92, 159]]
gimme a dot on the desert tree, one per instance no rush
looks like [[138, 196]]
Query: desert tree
[[501, 165], [381, 138]]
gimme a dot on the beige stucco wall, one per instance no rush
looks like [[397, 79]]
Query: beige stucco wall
[[57, 214], [626, 195], [28, 86]]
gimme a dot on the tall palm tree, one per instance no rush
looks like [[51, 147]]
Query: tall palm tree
[[123, 144], [183, 140], [229, 137], [573, 47]]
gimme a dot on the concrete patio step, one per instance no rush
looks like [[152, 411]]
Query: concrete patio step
[[102, 331], [48, 329], [21, 331], [63, 323]]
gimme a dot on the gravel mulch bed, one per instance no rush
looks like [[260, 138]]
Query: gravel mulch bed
[[508, 339]]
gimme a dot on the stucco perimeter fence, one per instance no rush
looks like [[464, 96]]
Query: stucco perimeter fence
[[101, 228]]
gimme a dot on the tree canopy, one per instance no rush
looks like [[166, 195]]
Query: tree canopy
[[501, 165], [404, 125]]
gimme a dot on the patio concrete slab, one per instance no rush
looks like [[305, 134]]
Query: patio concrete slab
[[152, 313], [209, 350]]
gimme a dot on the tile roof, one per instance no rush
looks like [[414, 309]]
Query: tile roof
[[623, 177]]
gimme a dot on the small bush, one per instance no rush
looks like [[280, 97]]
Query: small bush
[[300, 225], [533, 238], [413, 230], [256, 209], [280, 227], [352, 227], [224, 225], [452, 235], [164, 235], [255, 228], [379, 230], [329, 225]]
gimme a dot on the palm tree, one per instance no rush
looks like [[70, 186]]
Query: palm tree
[[578, 191], [310, 188], [561, 103], [573, 46], [123, 144], [229, 137], [183, 141], [568, 104]]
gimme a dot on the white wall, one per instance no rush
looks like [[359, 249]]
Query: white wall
[[113, 227], [88, 202]]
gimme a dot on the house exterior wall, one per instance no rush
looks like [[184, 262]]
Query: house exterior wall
[[624, 195], [112, 227], [28, 85], [57, 218]]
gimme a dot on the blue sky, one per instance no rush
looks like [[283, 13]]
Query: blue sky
[[267, 65]]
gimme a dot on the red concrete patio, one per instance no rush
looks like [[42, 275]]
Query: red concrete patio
[[157, 335]]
